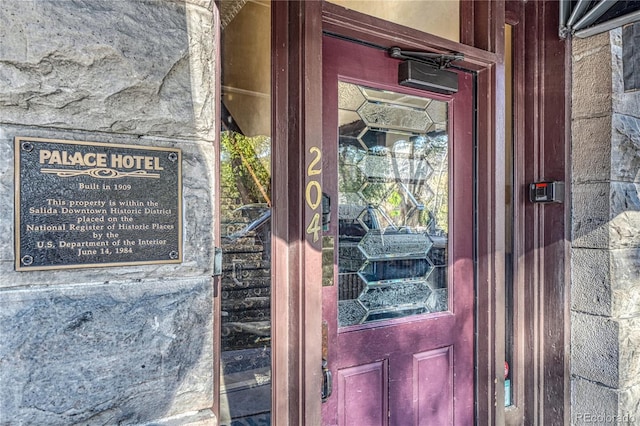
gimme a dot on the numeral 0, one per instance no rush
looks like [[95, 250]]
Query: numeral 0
[[318, 194]]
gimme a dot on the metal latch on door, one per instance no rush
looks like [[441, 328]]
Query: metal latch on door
[[327, 381]]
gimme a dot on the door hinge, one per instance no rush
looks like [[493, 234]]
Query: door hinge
[[217, 262]]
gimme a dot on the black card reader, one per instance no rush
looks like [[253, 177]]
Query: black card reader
[[546, 192]]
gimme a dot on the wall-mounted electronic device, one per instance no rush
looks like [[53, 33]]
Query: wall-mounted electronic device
[[546, 192]]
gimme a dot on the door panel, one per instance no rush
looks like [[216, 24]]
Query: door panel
[[363, 394], [433, 386], [398, 166]]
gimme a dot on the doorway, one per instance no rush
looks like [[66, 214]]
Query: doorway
[[399, 313]]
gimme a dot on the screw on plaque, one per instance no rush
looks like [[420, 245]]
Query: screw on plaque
[[27, 146], [173, 156], [173, 254], [26, 260]]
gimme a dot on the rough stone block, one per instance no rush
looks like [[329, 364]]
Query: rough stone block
[[143, 67], [590, 224], [606, 215], [591, 281], [581, 47], [629, 406], [6, 200], [202, 418], [626, 302], [590, 400], [106, 354], [205, 4], [604, 350], [623, 102], [625, 282], [629, 356], [625, 215], [202, 25], [591, 149], [591, 81], [594, 349], [624, 148], [197, 195], [617, 68], [593, 403]]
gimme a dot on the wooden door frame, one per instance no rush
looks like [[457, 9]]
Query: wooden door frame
[[296, 307], [297, 29], [541, 245], [542, 152]]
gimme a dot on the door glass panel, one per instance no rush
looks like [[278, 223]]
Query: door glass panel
[[245, 209], [393, 215]]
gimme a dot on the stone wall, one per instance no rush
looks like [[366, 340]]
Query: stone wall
[[114, 345], [605, 265]]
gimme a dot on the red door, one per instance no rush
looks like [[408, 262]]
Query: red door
[[399, 312]]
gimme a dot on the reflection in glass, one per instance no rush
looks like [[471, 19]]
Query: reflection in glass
[[395, 270], [245, 208], [509, 167], [393, 187]]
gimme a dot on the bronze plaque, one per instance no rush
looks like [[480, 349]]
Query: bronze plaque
[[90, 204]]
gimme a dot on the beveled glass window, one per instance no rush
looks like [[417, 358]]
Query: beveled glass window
[[393, 186]]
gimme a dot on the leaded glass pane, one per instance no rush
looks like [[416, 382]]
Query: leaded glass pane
[[393, 179]]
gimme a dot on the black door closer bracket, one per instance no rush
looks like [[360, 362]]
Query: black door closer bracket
[[438, 60]]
